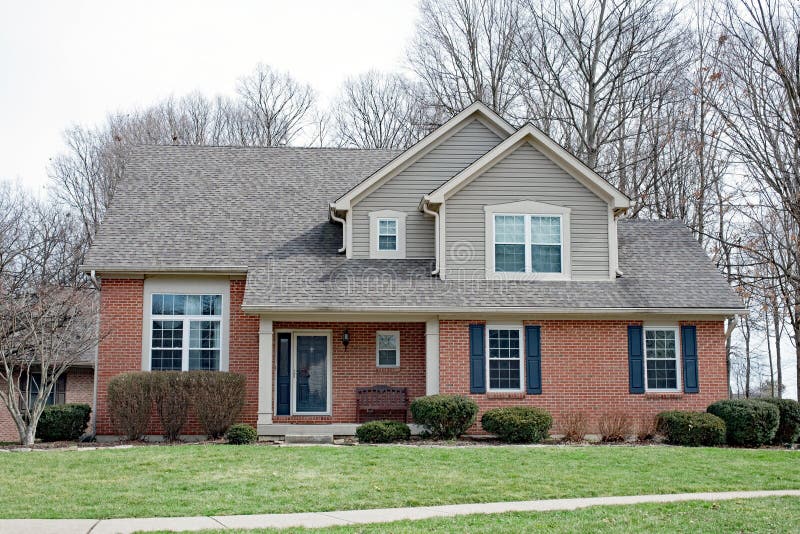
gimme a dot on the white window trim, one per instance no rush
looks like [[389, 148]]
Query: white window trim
[[185, 286], [374, 218], [519, 328], [396, 334], [678, 358], [293, 388], [186, 320], [528, 208]]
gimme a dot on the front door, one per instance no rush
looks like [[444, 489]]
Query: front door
[[311, 370]]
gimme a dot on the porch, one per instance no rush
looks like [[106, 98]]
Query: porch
[[310, 371]]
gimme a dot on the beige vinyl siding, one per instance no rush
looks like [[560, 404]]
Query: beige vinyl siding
[[404, 191], [525, 174]]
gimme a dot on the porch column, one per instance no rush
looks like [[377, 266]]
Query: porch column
[[265, 372], [432, 357]]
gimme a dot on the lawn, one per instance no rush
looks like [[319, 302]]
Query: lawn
[[780, 514], [220, 479]]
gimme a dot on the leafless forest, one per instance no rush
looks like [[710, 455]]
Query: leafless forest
[[690, 108]]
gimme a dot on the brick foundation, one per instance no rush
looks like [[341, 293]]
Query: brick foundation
[[585, 369]]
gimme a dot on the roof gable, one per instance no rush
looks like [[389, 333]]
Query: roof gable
[[477, 110], [552, 150]]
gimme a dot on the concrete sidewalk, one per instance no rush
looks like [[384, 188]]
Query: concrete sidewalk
[[349, 517]]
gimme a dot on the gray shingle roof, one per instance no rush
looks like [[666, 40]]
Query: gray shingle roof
[[266, 210]]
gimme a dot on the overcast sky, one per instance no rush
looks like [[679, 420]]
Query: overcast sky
[[65, 62]]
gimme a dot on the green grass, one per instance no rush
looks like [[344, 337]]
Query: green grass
[[781, 514], [218, 479]]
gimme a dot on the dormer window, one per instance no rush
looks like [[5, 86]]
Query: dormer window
[[387, 235], [527, 240]]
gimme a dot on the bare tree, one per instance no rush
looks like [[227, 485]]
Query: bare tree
[[463, 52], [277, 105]]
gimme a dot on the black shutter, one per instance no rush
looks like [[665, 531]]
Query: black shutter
[[477, 359], [533, 360], [635, 359], [284, 373], [691, 382]]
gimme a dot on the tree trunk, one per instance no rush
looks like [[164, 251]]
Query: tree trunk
[[769, 356], [28, 436], [776, 319]]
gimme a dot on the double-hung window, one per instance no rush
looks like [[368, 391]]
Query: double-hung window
[[387, 349], [662, 370], [505, 358], [186, 332], [387, 234], [58, 395], [528, 243]]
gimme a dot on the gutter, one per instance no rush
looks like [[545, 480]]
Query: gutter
[[733, 320], [334, 217], [435, 215]]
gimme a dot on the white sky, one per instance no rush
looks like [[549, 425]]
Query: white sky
[[65, 62]]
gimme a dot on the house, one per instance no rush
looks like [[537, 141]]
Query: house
[[484, 260]]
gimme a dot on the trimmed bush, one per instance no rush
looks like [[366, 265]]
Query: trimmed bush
[[171, 394], [789, 426], [383, 432], [218, 399], [63, 422], [692, 429], [444, 416], [130, 400], [518, 424], [241, 434], [749, 423], [574, 426], [614, 426]]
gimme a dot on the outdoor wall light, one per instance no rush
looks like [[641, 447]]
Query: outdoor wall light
[[345, 338]]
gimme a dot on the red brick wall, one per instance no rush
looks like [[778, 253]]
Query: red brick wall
[[243, 350], [585, 369], [355, 367]]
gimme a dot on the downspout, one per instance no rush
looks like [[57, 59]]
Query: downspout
[[334, 217], [435, 216], [732, 322], [93, 436]]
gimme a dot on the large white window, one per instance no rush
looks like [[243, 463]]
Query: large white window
[[527, 243], [662, 368], [186, 332], [387, 349], [504, 361]]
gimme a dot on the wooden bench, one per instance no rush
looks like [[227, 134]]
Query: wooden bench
[[382, 403]]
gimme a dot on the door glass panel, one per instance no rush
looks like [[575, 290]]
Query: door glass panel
[[312, 374]]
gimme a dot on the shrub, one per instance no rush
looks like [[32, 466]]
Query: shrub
[[749, 423], [130, 399], [789, 426], [218, 398], [518, 424], [241, 434], [646, 427], [63, 422], [614, 426], [574, 426], [383, 432], [444, 416], [692, 429], [171, 394]]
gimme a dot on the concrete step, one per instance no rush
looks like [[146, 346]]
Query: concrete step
[[316, 439]]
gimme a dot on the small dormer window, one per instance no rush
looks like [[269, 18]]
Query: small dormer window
[[387, 231], [387, 235]]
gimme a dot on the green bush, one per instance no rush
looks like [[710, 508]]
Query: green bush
[[789, 426], [444, 416], [171, 394], [241, 434], [692, 429], [518, 424], [218, 399], [383, 432], [748, 423], [130, 402], [63, 422]]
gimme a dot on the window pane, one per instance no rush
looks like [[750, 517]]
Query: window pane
[[387, 342], [158, 303], [387, 227], [166, 345], [509, 229], [212, 305], [387, 242], [387, 357], [387, 349], [204, 345], [546, 258], [509, 258], [504, 359], [546, 230], [194, 304], [662, 359]]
